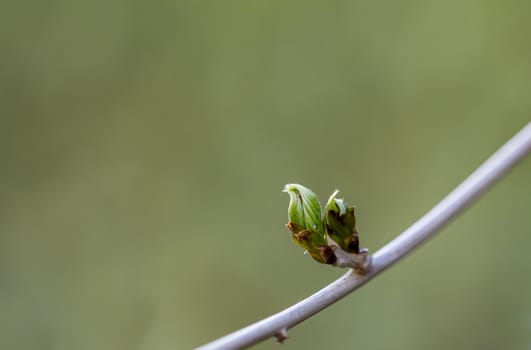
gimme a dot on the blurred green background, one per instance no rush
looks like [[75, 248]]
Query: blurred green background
[[145, 145]]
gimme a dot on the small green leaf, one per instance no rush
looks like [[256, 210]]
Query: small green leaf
[[304, 207]]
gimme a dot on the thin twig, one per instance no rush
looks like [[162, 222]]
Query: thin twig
[[454, 203]]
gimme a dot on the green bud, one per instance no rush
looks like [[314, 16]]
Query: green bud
[[340, 224], [304, 208], [305, 225]]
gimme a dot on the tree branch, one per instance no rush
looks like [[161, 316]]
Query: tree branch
[[454, 203]]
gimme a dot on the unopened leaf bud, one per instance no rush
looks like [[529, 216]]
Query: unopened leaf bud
[[305, 223], [340, 224]]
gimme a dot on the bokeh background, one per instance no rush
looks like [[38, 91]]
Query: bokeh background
[[144, 146]]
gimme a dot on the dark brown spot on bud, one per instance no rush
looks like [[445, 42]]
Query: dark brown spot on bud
[[328, 255], [303, 235], [353, 244]]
